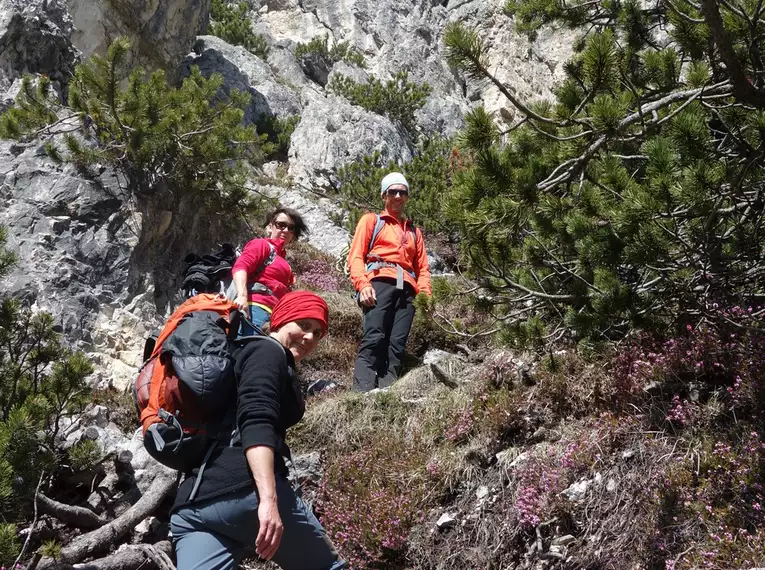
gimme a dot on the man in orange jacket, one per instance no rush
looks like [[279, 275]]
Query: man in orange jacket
[[388, 267]]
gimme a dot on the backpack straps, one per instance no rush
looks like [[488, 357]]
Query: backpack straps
[[379, 223], [259, 287], [267, 261]]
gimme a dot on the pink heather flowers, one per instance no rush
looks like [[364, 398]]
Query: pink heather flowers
[[460, 430], [365, 511], [321, 276]]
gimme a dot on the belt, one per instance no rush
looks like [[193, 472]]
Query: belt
[[373, 265]]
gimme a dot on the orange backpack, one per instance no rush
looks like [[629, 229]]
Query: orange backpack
[[185, 390]]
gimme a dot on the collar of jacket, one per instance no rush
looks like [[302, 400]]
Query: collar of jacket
[[279, 245], [386, 214]]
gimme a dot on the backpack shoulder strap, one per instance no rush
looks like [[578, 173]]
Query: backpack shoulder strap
[[413, 229], [267, 261], [379, 223]]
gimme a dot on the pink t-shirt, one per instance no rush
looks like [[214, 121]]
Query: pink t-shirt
[[277, 276]]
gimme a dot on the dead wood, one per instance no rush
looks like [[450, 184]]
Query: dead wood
[[106, 537], [69, 514]]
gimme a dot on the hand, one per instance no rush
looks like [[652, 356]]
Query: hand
[[242, 303], [367, 296], [270, 531]]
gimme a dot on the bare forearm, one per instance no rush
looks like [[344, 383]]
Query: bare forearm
[[260, 458], [240, 282]]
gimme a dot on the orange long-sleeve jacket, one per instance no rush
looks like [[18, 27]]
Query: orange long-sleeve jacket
[[394, 244]]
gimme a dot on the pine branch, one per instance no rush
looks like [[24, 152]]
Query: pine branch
[[573, 166]]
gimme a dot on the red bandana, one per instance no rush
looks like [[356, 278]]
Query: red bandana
[[299, 305]]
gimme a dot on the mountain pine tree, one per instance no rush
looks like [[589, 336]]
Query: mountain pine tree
[[184, 141], [635, 199]]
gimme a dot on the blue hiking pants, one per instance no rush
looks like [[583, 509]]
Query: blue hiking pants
[[259, 317], [215, 534]]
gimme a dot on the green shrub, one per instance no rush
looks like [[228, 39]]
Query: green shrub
[[84, 455], [231, 23], [605, 210], [40, 382], [9, 544], [32, 110], [398, 99], [319, 46], [278, 131]]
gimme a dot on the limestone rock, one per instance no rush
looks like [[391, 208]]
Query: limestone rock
[[246, 72], [332, 132], [70, 233], [446, 520], [162, 31], [348, 70], [34, 39]]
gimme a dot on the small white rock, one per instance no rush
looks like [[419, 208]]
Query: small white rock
[[447, 520]]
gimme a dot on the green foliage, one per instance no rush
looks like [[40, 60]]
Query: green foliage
[[398, 98], [635, 196], [40, 382], [9, 544], [84, 455], [429, 174], [7, 258], [34, 109], [342, 51], [278, 131], [51, 549], [231, 23]]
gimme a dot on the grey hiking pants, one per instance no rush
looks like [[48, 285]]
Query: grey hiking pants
[[215, 534], [386, 330]]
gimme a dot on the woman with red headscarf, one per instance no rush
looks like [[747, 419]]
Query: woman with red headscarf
[[244, 499]]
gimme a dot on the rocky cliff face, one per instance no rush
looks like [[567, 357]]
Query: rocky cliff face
[[90, 255], [162, 31]]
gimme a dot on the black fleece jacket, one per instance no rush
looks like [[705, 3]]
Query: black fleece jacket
[[269, 401]]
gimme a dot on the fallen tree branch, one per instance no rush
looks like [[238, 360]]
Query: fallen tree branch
[[104, 538], [131, 557], [70, 514]]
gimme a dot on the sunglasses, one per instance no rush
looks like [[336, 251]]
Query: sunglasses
[[393, 193], [284, 226]]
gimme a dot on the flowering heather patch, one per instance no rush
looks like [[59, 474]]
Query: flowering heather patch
[[548, 471], [370, 499], [320, 275], [726, 360], [460, 430], [499, 369], [717, 503]]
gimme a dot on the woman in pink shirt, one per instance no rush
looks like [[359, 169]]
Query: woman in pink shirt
[[262, 275]]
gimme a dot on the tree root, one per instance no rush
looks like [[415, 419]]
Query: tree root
[[131, 557], [105, 537], [68, 514]]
